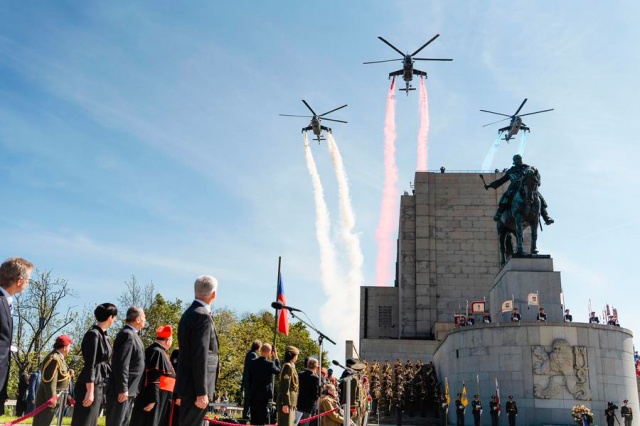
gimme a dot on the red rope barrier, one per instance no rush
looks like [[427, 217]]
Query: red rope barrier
[[307, 420], [36, 411]]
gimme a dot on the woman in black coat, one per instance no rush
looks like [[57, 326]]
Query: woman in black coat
[[96, 352]]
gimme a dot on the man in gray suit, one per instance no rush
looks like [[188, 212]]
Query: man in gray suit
[[127, 366], [198, 364], [15, 274]]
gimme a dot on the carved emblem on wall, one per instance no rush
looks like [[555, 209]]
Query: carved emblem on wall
[[560, 367]]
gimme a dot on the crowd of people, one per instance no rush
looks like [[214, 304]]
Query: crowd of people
[[300, 395], [516, 316], [133, 384]]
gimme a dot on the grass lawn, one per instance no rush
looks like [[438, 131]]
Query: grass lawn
[[65, 420]]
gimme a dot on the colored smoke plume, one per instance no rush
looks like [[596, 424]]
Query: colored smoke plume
[[423, 131], [388, 212], [488, 159]]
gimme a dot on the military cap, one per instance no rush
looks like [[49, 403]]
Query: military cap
[[292, 349], [164, 332], [350, 362], [475, 396], [459, 394], [625, 401], [63, 340]]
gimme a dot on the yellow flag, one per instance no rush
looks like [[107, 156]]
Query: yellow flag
[[446, 390], [464, 399]]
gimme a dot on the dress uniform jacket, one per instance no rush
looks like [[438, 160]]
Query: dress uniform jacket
[[328, 403], [55, 378], [288, 394]]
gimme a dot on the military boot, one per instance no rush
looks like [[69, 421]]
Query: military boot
[[545, 216], [501, 209]]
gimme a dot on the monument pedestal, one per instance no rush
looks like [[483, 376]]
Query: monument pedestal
[[518, 278]]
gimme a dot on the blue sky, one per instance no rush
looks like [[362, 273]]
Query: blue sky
[[144, 138]]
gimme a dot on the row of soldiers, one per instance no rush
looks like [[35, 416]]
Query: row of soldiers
[[460, 405], [402, 388]]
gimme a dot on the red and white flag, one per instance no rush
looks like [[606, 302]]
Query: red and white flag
[[498, 396]]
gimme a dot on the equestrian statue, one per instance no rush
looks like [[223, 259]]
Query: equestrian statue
[[520, 207]]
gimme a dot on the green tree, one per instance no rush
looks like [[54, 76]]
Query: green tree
[[160, 313], [40, 318]]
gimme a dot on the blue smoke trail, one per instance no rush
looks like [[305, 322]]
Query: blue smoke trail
[[488, 159], [523, 143]]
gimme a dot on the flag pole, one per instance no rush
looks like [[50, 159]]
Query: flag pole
[[275, 325]]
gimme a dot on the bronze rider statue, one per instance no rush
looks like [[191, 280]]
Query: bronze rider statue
[[515, 174]]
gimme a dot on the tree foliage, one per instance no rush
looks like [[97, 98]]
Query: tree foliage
[[40, 319], [237, 334]]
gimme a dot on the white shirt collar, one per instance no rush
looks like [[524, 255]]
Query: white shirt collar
[[7, 295], [207, 307]]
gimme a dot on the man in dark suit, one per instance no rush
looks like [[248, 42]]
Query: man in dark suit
[[15, 274], [198, 364], [309, 391], [260, 384], [127, 364], [250, 356]]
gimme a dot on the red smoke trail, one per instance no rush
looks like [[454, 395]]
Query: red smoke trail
[[423, 132], [388, 214]]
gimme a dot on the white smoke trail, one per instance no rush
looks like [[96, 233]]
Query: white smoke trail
[[523, 143], [388, 212], [423, 131], [488, 159], [351, 240], [337, 305]]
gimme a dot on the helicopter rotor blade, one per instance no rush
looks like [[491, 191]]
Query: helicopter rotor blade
[[290, 115], [331, 119], [497, 113], [329, 112], [387, 60], [521, 105], [391, 46], [504, 119], [537, 112], [431, 59], [425, 45], [310, 109]]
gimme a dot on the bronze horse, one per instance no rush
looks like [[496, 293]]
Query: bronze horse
[[524, 212]]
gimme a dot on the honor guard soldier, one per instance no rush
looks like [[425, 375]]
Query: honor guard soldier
[[486, 318], [460, 408], [494, 410], [627, 413], [512, 411], [515, 315], [610, 413], [444, 409], [542, 317], [55, 378], [470, 320], [567, 316], [476, 410], [593, 319]]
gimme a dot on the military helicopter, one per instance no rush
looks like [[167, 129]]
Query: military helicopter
[[408, 71], [516, 122], [315, 125]]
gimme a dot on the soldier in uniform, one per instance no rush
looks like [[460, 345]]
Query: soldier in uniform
[[288, 389], [515, 315], [486, 318], [542, 317], [55, 378], [610, 413], [444, 409], [567, 316], [515, 175], [627, 413], [494, 410], [512, 411], [470, 320], [460, 408], [593, 319], [153, 404], [476, 410]]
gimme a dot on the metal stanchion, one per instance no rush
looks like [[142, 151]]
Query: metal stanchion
[[347, 409], [62, 404]]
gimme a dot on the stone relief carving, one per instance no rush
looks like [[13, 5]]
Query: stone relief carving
[[561, 366]]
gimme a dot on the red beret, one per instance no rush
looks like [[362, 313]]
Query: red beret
[[63, 340], [164, 332]]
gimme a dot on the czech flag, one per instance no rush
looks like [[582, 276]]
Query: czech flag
[[282, 314]]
